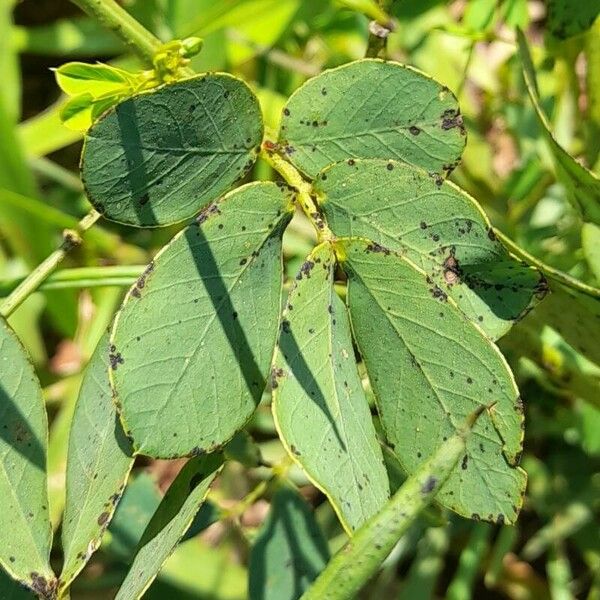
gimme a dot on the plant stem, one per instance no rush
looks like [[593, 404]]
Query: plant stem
[[82, 277], [118, 20], [378, 32], [32, 282], [352, 567], [547, 270], [304, 189]]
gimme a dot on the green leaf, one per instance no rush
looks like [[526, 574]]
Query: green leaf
[[429, 367], [590, 240], [140, 500], [567, 18], [583, 186], [440, 228], [26, 535], [98, 463], [169, 523], [158, 157], [372, 109], [352, 567], [316, 382], [193, 343], [576, 316], [13, 590], [289, 551], [75, 78]]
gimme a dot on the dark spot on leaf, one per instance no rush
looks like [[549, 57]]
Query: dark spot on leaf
[[115, 359], [390, 167], [103, 519], [295, 450], [429, 485], [464, 463], [414, 130], [286, 112]]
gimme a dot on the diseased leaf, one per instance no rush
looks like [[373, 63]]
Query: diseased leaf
[[169, 523], [567, 18], [349, 570], [160, 156], [430, 367], [289, 551], [99, 460], [320, 408], [372, 109], [583, 186], [26, 534], [440, 228], [192, 345]]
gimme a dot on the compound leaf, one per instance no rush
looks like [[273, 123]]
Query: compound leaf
[[289, 552], [193, 342], [169, 523], [583, 186], [26, 534], [440, 228], [98, 463], [319, 404], [429, 368], [372, 109], [158, 157]]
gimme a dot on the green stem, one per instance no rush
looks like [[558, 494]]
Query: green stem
[[81, 277], [547, 270], [117, 19], [304, 189], [352, 567], [71, 239], [379, 29]]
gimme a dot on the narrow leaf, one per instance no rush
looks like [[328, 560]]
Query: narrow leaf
[[576, 316], [440, 228], [429, 367], [26, 534], [319, 405], [193, 343], [362, 556], [169, 523], [99, 460], [582, 185], [289, 552], [160, 156], [372, 109]]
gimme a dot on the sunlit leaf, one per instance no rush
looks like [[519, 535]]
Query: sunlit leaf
[[99, 461], [316, 382], [440, 228], [25, 532], [76, 78], [169, 523], [430, 367], [159, 157], [192, 345], [372, 109], [289, 551]]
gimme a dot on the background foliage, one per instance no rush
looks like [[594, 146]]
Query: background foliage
[[529, 186]]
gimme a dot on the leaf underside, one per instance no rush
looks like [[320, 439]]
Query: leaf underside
[[99, 460], [319, 404], [440, 228], [372, 109], [429, 368], [26, 534], [192, 345], [159, 157]]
